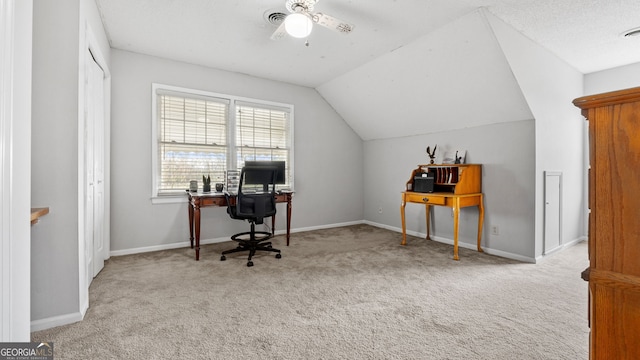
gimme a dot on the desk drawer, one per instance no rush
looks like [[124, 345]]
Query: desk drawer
[[426, 198], [213, 201]]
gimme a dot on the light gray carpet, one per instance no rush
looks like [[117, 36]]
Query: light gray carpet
[[343, 293]]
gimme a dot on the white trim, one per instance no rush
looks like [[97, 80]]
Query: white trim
[[447, 241], [184, 244], [6, 168], [443, 240], [178, 245], [546, 251], [461, 244], [169, 199], [55, 321], [320, 227], [16, 24], [88, 42], [561, 248]]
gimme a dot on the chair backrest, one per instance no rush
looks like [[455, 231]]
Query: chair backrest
[[256, 194]]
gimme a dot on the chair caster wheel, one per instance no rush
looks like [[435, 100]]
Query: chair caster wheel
[[250, 264], [278, 256], [223, 258]]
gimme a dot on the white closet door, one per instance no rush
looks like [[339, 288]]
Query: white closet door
[[552, 211], [94, 165]]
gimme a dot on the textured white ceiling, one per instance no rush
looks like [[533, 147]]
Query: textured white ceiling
[[234, 35]]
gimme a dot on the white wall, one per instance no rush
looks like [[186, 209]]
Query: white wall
[[549, 86], [453, 88], [442, 85], [58, 34], [328, 156], [15, 173], [618, 78], [452, 78]]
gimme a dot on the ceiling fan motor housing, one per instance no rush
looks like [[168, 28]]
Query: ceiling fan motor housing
[[300, 5]]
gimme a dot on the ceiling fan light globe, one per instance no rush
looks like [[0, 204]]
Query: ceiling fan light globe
[[298, 25]]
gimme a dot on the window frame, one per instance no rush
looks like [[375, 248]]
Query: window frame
[[233, 101]]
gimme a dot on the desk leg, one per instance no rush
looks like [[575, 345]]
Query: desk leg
[[456, 223], [404, 225], [196, 215], [480, 221], [273, 225], [288, 219], [190, 209], [428, 211]]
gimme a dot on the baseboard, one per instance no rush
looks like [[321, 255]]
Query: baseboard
[[561, 247], [184, 244], [177, 245], [55, 321], [320, 227], [443, 240], [447, 241], [509, 255]]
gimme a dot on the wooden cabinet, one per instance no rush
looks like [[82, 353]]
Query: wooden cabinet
[[614, 223]]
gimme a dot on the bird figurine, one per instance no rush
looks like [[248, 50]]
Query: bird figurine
[[432, 154]]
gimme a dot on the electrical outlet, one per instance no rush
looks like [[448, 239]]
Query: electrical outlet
[[495, 230], [380, 210]]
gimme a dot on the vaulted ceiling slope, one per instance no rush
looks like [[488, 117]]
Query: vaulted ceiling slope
[[409, 67], [234, 35], [452, 78]]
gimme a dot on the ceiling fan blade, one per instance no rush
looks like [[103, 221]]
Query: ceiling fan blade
[[279, 33], [332, 23]]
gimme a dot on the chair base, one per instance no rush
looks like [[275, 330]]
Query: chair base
[[252, 244]]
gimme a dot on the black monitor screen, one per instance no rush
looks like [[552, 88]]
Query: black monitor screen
[[278, 165]]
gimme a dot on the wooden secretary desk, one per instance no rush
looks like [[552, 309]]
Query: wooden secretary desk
[[614, 223], [455, 186]]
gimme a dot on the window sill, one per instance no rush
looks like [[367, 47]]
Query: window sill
[[169, 199]]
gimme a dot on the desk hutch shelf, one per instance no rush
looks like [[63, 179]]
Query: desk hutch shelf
[[451, 178]]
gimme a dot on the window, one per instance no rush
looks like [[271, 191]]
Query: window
[[197, 133]]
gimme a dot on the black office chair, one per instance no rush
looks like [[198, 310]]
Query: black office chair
[[255, 200]]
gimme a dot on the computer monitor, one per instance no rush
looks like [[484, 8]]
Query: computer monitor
[[278, 165]]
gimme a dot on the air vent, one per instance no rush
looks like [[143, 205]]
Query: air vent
[[274, 17]]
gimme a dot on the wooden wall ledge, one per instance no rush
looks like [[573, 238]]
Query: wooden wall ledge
[[36, 213]]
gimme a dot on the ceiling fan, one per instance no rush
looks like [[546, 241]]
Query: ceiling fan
[[299, 22]]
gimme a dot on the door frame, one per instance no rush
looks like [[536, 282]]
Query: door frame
[[16, 26], [89, 42], [546, 251]]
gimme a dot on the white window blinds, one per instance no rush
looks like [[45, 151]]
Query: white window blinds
[[262, 133], [192, 140], [199, 134]]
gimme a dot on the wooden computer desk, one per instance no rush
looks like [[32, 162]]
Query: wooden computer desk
[[198, 200], [455, 186]]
